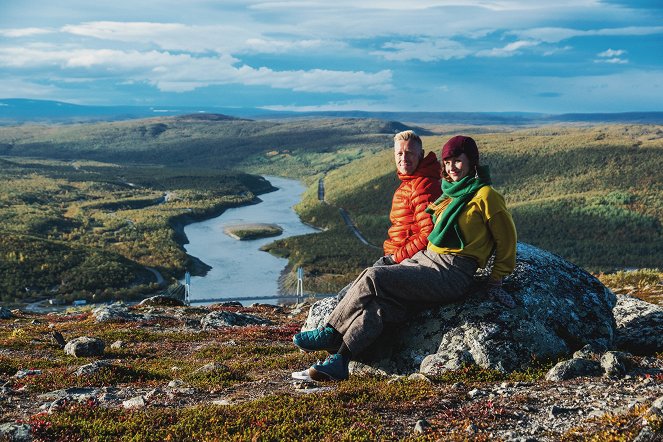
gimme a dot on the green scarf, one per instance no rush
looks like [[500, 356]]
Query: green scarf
[[455, 196]]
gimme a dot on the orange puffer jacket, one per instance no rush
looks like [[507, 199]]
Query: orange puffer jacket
[[410, 225]]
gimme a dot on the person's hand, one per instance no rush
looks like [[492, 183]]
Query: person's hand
[[497, 293]]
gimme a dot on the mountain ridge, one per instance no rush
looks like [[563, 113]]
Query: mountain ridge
[[22, 110]]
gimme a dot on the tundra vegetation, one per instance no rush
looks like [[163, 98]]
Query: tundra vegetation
[[247, 394]]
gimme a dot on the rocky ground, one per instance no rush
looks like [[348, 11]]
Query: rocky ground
[[223, 372]]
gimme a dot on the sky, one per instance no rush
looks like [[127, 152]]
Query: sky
[[375, 55]]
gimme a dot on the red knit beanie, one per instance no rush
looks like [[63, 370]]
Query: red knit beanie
[[461, 144]]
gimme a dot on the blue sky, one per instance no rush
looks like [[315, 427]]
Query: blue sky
[[391, 55]]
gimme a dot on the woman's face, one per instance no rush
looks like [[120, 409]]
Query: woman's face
[[457, 167]]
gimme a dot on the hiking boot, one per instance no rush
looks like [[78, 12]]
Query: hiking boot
[[322, 338], [334, 368]]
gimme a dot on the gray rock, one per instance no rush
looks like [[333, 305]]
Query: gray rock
[[639, 326], [224, 319], [25, 373], [76, 393], [573, 368], [135, 402], [118, 344], [210, 368], [89, 369], [593, 350], [658, 403], [85, 346], [117, 312], [422, 426], [15, 432], [556, 411], [560, 307], [161, 300], [419, 377], [647, 435], [5, 313], [615, 363]]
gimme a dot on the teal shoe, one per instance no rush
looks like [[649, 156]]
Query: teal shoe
[[322, 338], [334, 368]]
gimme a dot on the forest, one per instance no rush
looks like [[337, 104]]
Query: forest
[[84, 209]]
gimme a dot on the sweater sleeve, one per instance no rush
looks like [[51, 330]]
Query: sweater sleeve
[[503, 230], [425, 192]]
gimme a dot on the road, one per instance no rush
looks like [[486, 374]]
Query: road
[[348, 221]]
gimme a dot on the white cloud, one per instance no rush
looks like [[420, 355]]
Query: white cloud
[[614, 60], [612, 53], [24, 32], [555, 35], [509, 50], [426, 50], [399, 5], [184, 72]]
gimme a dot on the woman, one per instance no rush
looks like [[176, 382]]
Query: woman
[[470, 222]]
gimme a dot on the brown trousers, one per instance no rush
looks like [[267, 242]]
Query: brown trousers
[[389, 294]]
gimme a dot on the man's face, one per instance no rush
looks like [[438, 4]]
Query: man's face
[[407, 155]]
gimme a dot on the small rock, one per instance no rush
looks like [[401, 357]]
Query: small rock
[[573, 368], [647, 435], [591, 351], [89, 369], [85, 346], [24, 373], [422, 426], [658, 403], [230, 304], [15, 432], [135, 402], [475, 393], [210, 368], [161, 300], [614, 363], [556, 410], [5, 313], [221, 402], [58, 338], [224, 319], [118, 344], [395, 379], [117, 312], [419, 377], [176, 383], [153, 393]]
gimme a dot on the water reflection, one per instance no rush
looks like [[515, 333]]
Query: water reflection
[[239, 268]]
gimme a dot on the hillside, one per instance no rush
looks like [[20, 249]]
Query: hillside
[[589, 194], [293, 148]]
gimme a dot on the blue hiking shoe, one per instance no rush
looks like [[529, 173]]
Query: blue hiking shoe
[[322, 338], [334, 368]]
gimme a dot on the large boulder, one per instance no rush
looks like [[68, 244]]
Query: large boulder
[[639, 325], [560, 308]]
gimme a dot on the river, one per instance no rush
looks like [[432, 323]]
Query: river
[[239, 268]]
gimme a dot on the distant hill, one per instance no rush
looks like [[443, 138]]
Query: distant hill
[[20, 111], [293, 147]]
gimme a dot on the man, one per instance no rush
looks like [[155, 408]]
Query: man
[[420, 185]]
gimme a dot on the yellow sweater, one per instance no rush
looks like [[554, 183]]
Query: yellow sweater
[[485, 223]]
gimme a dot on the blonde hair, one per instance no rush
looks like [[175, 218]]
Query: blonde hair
[[408, 135]]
